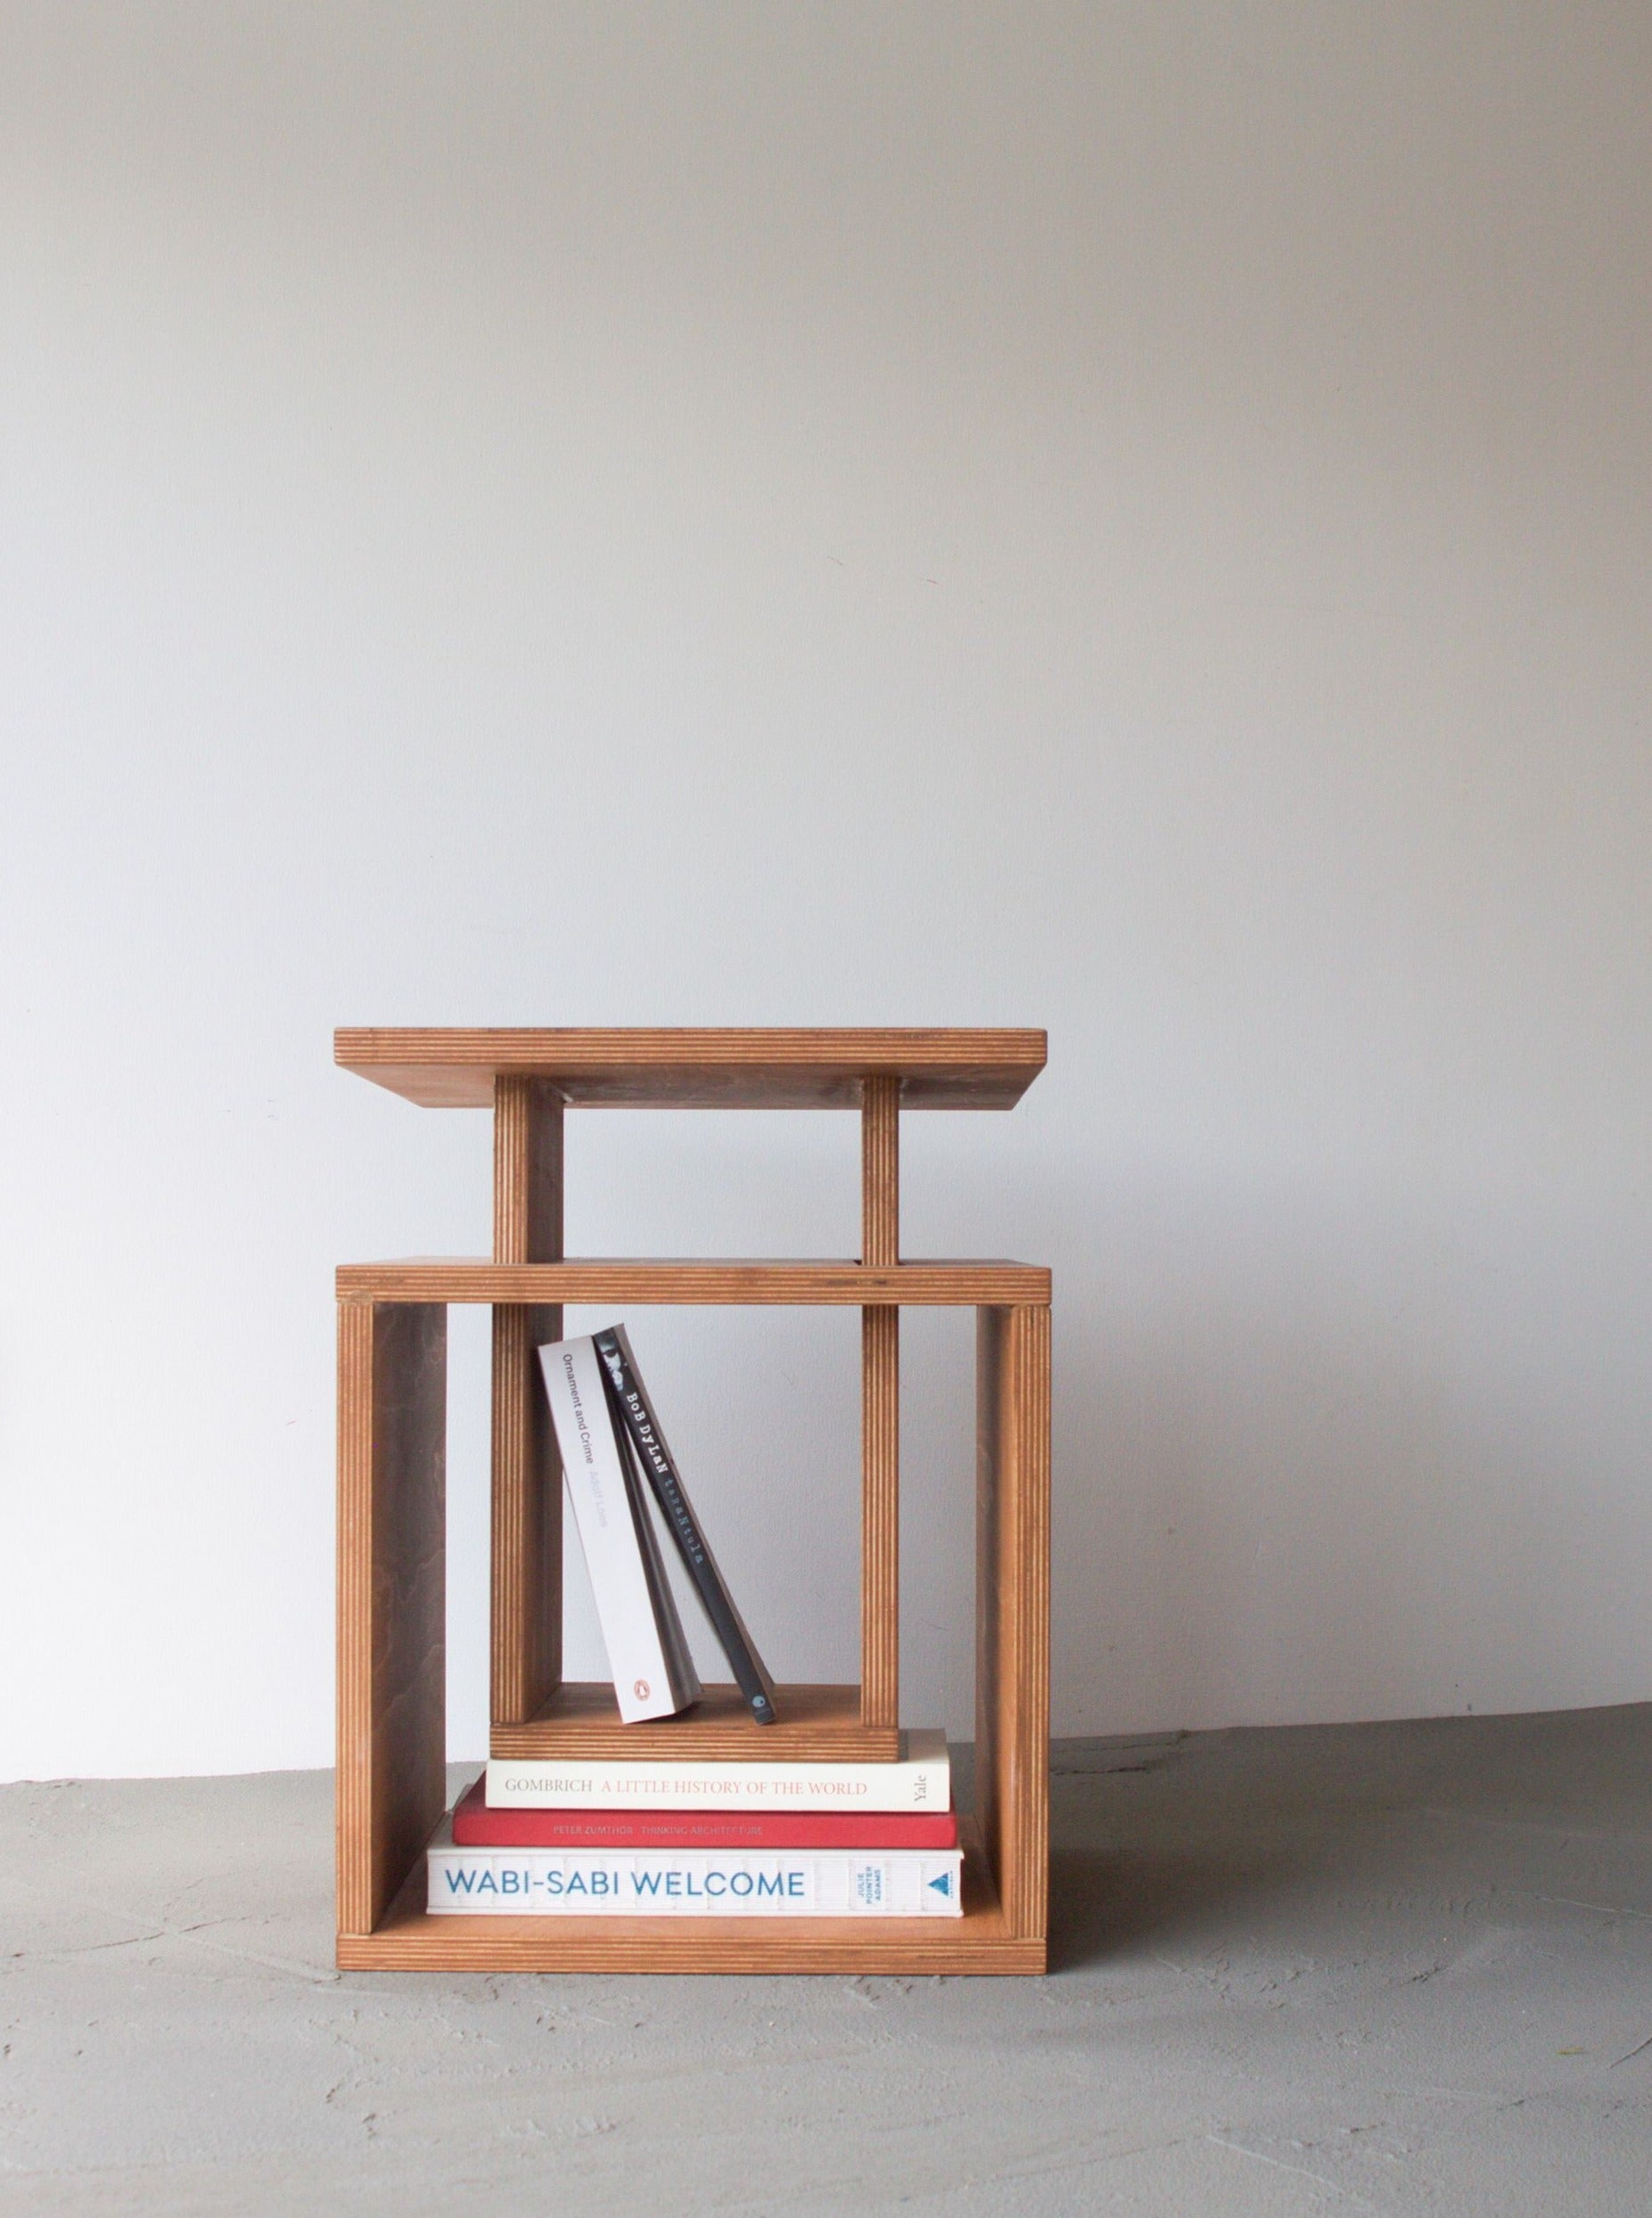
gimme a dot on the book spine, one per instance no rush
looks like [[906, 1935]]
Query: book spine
[[679, 1661], [636, 1412], [593, 1883], [923, 1783], [603, 1516]]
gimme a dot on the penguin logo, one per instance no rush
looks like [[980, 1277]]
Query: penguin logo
[[640, 1690]]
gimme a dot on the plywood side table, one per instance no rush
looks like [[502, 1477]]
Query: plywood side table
[[391, 1592]]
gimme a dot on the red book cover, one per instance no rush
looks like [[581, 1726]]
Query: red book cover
[[475, 1826]]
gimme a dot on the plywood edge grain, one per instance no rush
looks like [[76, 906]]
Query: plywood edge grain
[[1012, 1600], [955, 1067], [391, 1658], [735, 1283], [876, 1948], [525, 1551]]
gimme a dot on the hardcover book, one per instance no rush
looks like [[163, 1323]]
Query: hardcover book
[[665, 1882], [475, 1826], [921, 1780]]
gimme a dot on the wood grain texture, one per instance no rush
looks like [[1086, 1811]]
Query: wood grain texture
[[1012, 1602], [880, 1517], [580, 1720], [880, 1172], [526, 1571], [526, 1171], [734, 1282], [880, 1408], [726, 1068], [525, 1567], [410, 1939], [391, 1600]]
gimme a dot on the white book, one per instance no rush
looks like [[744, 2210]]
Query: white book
[[921, 1780], [664, 1883], [653, 1674]]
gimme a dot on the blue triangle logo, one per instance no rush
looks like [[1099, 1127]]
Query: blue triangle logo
[[942, 1885]]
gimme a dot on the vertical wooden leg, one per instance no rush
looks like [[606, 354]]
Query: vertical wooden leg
[[1012, 1602], [392, 1785], [525, 1639], [880, 1171], [880, 1410], [880, 1517], [526, 1596]]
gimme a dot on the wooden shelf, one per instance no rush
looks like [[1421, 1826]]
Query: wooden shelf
[[455, 1068], [392, 1511], [409, 1938], [580, 1722], [648, 1281]]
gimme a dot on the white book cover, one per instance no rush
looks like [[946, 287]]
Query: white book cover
[[664, 1883], [921, 1780], [647, 1654]]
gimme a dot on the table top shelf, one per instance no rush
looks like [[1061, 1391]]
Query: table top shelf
[[728, 1282], [682, 1067]]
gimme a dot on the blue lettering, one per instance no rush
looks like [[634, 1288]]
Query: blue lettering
[[768, 1882], [459, 1882], [487, 1883], [646, 1882], [673, 1882], [716, 1882], [794, 1883], [511, 1883], [740, 1884]]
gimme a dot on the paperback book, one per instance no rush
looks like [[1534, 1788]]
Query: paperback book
[[616, 1462], [654, 1672], [636, 1413]]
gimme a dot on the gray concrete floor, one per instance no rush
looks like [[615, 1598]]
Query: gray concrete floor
[[1394, 1967]]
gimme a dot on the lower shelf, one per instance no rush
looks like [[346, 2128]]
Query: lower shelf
[[580, 1723], [409, 1939]]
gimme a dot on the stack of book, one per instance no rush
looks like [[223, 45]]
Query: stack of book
[[675, 1838]]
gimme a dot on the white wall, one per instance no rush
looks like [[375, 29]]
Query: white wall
[[1130, 519]]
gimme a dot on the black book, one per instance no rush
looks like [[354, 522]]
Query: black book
[[636, 1411]]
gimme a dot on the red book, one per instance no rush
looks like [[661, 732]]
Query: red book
[[475, 1826]]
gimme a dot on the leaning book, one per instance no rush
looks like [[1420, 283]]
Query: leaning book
[[654, 1672], [921, 1780], [635, 1412], [594, 1883]]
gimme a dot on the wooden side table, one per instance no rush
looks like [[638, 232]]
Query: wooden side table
[[392, 1392]]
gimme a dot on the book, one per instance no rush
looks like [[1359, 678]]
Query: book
[[637, 1414], [654, 1672], [668, 1883], [921, 1780], [475, 1826], [680, 1656]]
